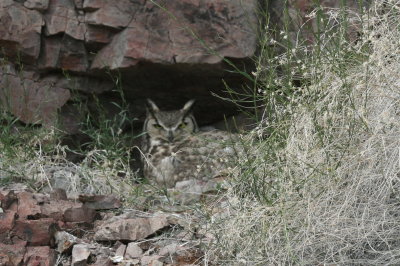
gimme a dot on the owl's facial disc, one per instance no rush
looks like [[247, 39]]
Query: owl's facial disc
[[170, 132], [170, 126]]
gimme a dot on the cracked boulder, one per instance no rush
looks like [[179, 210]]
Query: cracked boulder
[[20, 30], [191, 32], [179, 58], [129, 228], [62, 17], [29, 98]]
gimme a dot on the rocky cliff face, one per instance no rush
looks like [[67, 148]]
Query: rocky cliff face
[[170, 51]]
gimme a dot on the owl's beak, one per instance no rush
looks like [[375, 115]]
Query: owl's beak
[[170, 136]]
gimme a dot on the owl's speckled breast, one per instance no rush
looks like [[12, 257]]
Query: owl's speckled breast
[[175, 151], [166, 160]]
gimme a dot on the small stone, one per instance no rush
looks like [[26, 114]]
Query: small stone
[[118, 228], [100, 202], [79, 228], [40, 256], [134, 261], [151, 260], [65, 241], [133, 251], [80, 254], [185, 235], [169, 249], [117, 259], [120, 250], [58, 194], [82, 214]]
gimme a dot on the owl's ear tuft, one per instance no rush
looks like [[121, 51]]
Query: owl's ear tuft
[[151, 106], [188, 106]]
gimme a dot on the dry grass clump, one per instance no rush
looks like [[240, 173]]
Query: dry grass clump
[[37, 161], [324, 187]]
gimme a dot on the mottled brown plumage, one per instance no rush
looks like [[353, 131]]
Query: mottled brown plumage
[[175, 151]]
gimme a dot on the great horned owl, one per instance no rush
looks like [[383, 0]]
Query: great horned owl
[[174, 150]]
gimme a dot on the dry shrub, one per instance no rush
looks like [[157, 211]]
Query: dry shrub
[[29, 162], [328, 191]]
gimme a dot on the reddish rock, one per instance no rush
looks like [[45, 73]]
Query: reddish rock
[[27, 205], [73, 55], [79, 229], [7, 220], [40, 5], [114, 14], [57, 208], [125, 32], [40, 198], [65, 53], [9, 201], [80, 255], [100, 202], [20, 30], [82, 214], [32, 101], [51, 52], [96, 34], [35, 232], [65, 241], [133, 251], [118, 228], [62, 17], [11, 255], [58, 194], [40, 256], [225, 27]]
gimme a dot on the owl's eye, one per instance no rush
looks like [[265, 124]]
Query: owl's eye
[[183, 125], [157, 125]]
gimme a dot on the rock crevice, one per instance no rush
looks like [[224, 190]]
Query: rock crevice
[[89, 38]]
